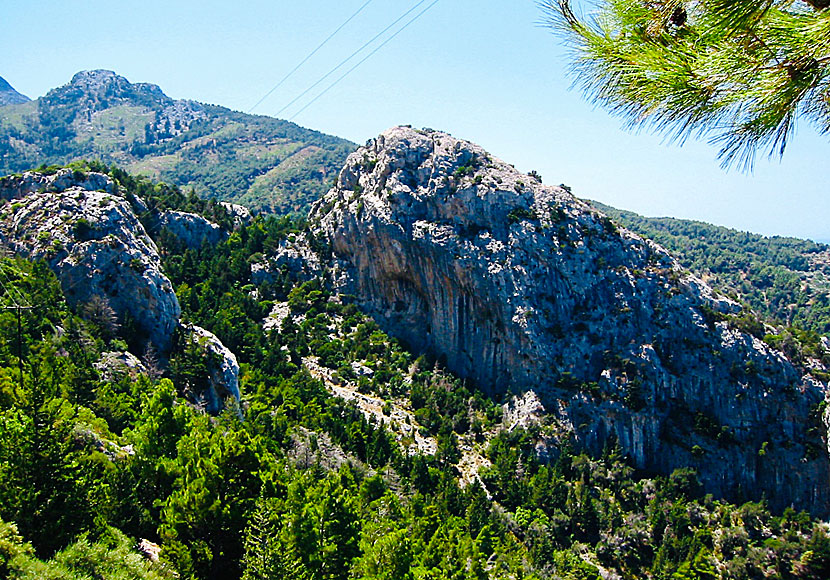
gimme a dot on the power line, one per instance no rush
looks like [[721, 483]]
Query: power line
[[367, 57], [350, 57], [312, 53]]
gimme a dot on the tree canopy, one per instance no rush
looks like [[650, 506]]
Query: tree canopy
[[741, 73]]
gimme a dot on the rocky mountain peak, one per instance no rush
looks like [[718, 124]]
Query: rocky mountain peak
[[518, 287], [102, 84], [9, 96], [93, 91]]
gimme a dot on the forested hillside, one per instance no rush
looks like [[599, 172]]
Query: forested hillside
[[264, 163], [787, 280], [408, 473]]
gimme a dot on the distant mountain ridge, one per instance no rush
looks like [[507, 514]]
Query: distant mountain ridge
[[264, 163], [9, 96]]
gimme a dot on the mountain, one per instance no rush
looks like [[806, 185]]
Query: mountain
[[9, 96], [342, 455], [266, 164], [787, 280], [520, 287]]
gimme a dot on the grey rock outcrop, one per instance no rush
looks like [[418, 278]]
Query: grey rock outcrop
[[114, 365], [240, 214], [294, 256], [519, 286], [190, 229], [95, 244], [222, 367], [16, 187], [97, 90], [9, 96]]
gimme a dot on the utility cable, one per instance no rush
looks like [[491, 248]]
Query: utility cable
[[350, 57], [367, 57], [312, 53]]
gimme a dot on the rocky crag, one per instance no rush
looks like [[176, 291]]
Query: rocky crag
[[92, 238], [519, 287]]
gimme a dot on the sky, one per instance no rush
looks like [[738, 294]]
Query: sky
[[481, 70]]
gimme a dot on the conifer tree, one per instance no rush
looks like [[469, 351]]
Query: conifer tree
[[740, 72]]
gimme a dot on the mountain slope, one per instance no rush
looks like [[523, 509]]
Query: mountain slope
[[264, 163], [517, 286], [785, 279], [309, 485], [9, 96]]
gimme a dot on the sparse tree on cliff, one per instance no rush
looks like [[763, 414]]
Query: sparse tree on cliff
[[740, 72]]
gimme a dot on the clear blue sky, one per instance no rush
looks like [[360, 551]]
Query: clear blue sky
[[483, 71]]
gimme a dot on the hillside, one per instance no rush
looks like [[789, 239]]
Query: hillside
[[354, 456], [266, 164], [786, 280], [521, 287], [9, 96]]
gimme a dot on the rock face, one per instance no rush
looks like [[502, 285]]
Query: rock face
[[9, 96], [240, 214], [294, 256], [98, 90], [222, 367], [520, 287], [93, 241], [190, 229], [32, 182]]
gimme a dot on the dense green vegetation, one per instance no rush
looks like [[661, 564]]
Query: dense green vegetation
[[264, 163], [786, 280], [301, 484]]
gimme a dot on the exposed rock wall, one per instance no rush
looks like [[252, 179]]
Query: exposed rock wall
[[92, 239], [222, 368], [519, 286], [190, 229], [96, 246]]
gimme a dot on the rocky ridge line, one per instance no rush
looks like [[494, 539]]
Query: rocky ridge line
[[520, 287]]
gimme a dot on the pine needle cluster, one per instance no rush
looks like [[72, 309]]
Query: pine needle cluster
[[741, 73]]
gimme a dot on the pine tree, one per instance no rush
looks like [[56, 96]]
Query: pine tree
[[742, 72]]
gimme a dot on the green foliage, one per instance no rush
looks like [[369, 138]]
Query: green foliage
[[520, 213], [112, 557], [743, 71], [295, 483], [267, 164], [785, 280]]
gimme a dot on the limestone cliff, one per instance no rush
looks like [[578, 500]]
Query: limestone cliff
[[190, 229], [519, 287], [96, 245], [90, 236], [222, 370]]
